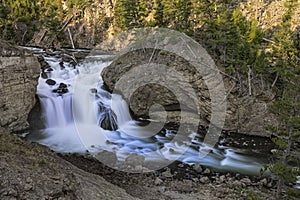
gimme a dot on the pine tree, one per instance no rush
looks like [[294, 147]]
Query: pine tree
[[182, 17], [159, 13], [285, 64], [130, 14]]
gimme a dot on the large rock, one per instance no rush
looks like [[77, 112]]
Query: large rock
[[246, 114], [32, 171], [19, 72]]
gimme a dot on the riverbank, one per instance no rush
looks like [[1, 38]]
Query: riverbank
[[179, 181], [32, 171]]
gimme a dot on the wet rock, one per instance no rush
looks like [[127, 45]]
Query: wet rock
[[106, 157], [44, 65], [61, 64], [40, 58], [49, 52], [62, 89], [44, 75], [80, 55], [197, 167], [73, 63], [93, 90], [108, 121], [67, 59], [135, 160], [63, 85], [51, 82]]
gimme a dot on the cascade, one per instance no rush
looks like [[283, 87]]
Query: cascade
[[79, 118]]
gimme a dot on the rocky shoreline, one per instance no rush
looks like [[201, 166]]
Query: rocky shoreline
[[180, 180], [32, 171]]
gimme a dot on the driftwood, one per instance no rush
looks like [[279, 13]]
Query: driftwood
[[66, 23], [268, 40], [249, 80], [71, 39], [274, 82], [45, 38]]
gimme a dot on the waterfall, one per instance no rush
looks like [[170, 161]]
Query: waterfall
[[79, 118], [71, 111]]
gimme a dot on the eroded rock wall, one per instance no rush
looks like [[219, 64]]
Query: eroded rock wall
[[244, 114], [19, 72]]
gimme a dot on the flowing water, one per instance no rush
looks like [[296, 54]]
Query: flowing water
[[74, 117]]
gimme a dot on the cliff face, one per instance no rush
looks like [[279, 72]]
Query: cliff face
[[245, 113], [19, 72]]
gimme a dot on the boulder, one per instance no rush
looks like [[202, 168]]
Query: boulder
[[135, 160], [51, 82], [62, 89]]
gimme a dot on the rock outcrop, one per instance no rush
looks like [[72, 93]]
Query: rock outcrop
[[19, 72], [32, 171], [244, 114]]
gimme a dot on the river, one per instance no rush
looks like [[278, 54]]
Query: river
[[75, 105]]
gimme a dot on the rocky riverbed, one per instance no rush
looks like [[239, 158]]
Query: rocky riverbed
[[32, 171], [180, 181]]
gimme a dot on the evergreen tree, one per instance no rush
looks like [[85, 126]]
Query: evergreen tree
[[130, 14], [169, 12], [285, 64], [182, 17], [159, 13]]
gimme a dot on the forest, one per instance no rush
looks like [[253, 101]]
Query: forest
[[239, 45]]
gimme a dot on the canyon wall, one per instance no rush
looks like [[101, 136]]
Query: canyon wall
[[19, 72], [245, 113]]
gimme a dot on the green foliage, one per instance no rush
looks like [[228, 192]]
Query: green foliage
[[33, 14], [292, 192], [284, 59], [288, 174], [130, 14], [159, 13]]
